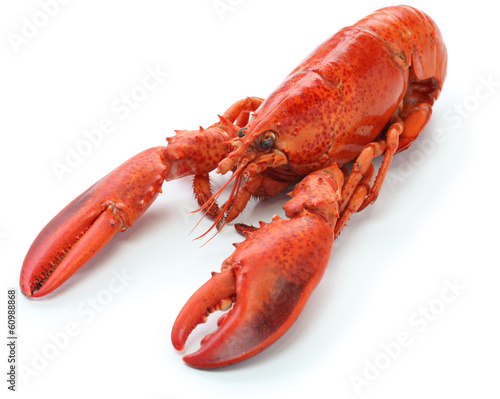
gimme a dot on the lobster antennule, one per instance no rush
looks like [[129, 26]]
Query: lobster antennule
[[268, 279], [87, 224]]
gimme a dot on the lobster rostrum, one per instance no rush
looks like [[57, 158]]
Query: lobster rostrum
[[366, 92]]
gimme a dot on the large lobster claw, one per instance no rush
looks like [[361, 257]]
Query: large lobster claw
[[113, 204], [268, 278], [116, 201], [86, 225]]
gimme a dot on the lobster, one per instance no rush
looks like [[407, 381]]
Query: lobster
[[366, 92]]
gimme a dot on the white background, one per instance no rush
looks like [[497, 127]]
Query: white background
[[435, 222]]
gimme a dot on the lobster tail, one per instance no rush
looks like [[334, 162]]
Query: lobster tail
[[414, 39]]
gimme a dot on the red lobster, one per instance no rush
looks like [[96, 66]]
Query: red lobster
[[366, 92]]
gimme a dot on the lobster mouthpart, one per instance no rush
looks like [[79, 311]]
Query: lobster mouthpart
[[268, 279], [86, 225]]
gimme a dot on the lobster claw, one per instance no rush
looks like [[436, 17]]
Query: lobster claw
[[115, 202], [86, 225], [268, 279]]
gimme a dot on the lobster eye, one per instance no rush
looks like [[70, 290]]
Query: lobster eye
[[267, 140], [241, 132]]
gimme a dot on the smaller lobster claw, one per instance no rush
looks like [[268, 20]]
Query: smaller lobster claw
[[89, 222], [268, 279]]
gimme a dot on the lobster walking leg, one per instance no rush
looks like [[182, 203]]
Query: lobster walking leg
[[356, 200], [360, 167], [391, 146], [407, 129], [400, 136], [357, 193]]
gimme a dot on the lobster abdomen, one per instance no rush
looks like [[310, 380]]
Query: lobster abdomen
[[413, 36]]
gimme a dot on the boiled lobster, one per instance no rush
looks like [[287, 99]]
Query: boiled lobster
[[366, 92]]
